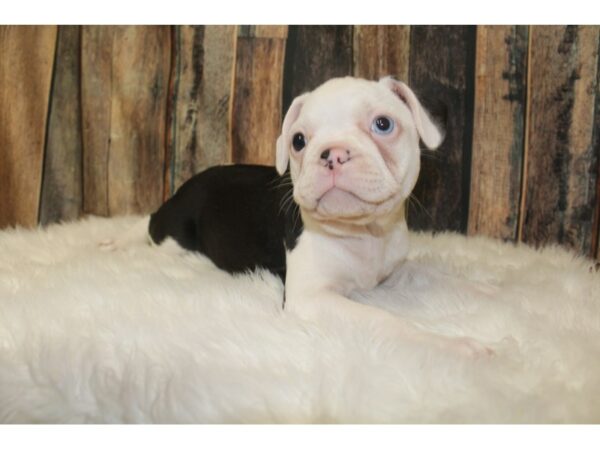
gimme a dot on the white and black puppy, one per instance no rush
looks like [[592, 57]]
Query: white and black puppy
[[352, 147]]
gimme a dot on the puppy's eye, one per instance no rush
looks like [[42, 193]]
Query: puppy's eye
[[298, 142], [382, 125]]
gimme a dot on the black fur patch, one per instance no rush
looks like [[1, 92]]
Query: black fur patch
[[242, 217]]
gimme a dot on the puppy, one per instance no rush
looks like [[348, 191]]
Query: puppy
[[352, 148]]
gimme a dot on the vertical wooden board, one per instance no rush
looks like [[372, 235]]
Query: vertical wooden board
[[596, 150], [441, 73], [125, 73], [201, 83], [257, 99], [381, 50], [263, 31], [560, 161], [140, 75], [313, 55], [595, 240], [96, 88], [26, 61], [61, 197], [498, 130]]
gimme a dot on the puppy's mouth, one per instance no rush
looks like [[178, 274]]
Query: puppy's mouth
[[341, 203], [337, 191]]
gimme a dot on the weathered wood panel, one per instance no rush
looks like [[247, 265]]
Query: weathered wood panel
[[26, 61], [263, 31], [596, 149], [96, 93], [441, 72], [257, 98], [595, 244], [560, 162], [124, 110], [201, 84], [313, 55], [498, 130], [62, 187], [381, 50]]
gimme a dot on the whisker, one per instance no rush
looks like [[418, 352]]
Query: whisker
[[420, 205], [433, 156], [285, 201], [287, 204]]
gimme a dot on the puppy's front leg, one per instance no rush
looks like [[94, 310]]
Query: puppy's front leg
[[315, 304]]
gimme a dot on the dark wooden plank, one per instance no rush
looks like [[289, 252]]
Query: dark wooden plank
[[441, 73], [263, 31], [596, 149], [315, 54], [498, 130], [96, 88], [381, 50], [26, 61], [257, 99], [595, 244], [561, 164], [125, 75], [201, 83], [61, 198]]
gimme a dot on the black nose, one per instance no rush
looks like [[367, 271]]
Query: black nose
[[325, 154]]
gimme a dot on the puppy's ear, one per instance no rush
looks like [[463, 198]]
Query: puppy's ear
[[282, 156], [430, 133]]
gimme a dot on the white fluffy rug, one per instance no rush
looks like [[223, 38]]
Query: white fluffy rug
[[150, 334]]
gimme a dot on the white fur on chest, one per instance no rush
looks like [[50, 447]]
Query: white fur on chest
[[345, 263]]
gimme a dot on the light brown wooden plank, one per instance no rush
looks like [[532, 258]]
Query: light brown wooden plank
[[202, 81], [140, 77], [257, 99], [96, 89], [125, 75], [61, 198], [26, 61], [381, 50], [498, 130], [560, 186]]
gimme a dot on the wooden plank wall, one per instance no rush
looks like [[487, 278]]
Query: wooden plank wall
[[112, 120], [25, 79]]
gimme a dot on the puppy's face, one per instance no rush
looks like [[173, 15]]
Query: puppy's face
[[353, 148]]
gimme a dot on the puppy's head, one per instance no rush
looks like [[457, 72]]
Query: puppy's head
[[353, 148]]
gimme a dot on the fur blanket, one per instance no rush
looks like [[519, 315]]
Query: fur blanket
[[147, 334]]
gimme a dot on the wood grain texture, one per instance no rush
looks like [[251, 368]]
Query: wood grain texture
[[96, 93], [263, 31], [595, 250], [257, 99], [62, 188], [313, 55], [561, 165], [441, 73], [124, 91], [202, 77], [498, 130], [381, 50], [26, 61], [596, 148]]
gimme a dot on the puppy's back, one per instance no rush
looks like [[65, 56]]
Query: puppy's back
[[232, 214]]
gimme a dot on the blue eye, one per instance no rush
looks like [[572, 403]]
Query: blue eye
[[382, 125]]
